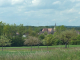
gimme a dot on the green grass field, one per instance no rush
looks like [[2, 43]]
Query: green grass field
[[35, 48], [41, 53], [44, 46]]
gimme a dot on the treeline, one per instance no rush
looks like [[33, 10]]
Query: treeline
[[15, 35]]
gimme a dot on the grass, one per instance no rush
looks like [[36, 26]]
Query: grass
[[35, 48], [53, 53], [44, 46]]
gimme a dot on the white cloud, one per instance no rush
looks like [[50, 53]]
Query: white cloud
[[79, 12], [16, 1], [76, 17], [57, 2], [35, 2], [10, 2], [71, 10], [1, 2], [71, 20], [74, 0], [4, 2], [40, 10], [77, 5]]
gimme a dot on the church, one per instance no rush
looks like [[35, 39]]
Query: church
[[48, 30]]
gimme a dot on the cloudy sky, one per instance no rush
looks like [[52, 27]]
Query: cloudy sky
[[40, 12]]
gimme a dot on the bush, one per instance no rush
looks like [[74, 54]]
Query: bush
[[57, 42], [17, 41], [73, 42], [78, 42]]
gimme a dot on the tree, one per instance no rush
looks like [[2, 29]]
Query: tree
[[41, 37], [7, 30], [45, 33], [62, 28], [73, 40], [67, 35], [17, 41], [4, 41], [78, 40], [17, 33], [1, 28], [31, 41], [21, 29], [33, 33], [48, 40], [59, 29]]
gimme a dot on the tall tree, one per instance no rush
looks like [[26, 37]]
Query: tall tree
[[48, 40], [62, 28], [1, 27], [41, 37], [67, 35], [4, 41], [6, 30], [31, 41]]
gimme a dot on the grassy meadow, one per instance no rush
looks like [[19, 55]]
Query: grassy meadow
[[41, 53]]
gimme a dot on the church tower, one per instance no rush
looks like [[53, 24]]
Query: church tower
[[55, 27]]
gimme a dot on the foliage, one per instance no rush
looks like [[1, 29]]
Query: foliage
[[61, 35], [4, 41], [41, 37], [73, 41], [17, 41], [45, 33], [67, 35], [57, 42], [62, 28], [1, 28], [31, 41], [33, 33], [48, 40], [59, 29]]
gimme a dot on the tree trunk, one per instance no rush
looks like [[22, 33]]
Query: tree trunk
[[38, 45], [68, 45], [68, 42], [2, 47], [47, 47], [65, 45], [31, 47]]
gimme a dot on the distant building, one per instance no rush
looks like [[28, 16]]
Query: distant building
[[24, 36], [48, 30], [55, 27], [17, 33]]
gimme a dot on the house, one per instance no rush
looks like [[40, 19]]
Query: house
[[44, 30], [24, 35], [48, 30], [17, 33]]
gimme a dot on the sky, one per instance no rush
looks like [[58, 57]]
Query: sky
[[40, 12]]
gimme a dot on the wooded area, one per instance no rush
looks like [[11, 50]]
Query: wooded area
[[13, 35]]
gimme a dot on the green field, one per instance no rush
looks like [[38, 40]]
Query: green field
[[41, 53], [35, 48]]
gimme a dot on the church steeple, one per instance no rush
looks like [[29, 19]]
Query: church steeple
[[55, 24], [55, 27]]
